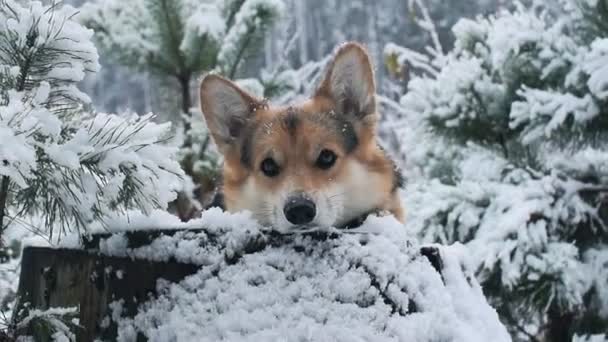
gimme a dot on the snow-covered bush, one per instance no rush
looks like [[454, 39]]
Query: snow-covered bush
[[58, 161], [505, 138]]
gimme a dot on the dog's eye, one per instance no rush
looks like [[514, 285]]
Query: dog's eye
[[270, 167], [326, 159]]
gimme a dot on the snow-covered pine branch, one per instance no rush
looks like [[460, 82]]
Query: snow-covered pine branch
[[57, 160], [249, 23]]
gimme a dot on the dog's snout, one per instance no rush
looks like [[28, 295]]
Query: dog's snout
[[300, 210]]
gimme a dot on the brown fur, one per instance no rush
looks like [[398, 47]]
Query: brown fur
[[293, 136]]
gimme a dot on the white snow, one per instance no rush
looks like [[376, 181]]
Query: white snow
[[591, 338], [510, 32], [596, 66], [17, 157], [54, 320], [204, 26], [55, 31], [556, 107]]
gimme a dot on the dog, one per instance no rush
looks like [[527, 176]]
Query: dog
[[310, 164]]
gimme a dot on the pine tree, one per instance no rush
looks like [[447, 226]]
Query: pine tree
[[506, 135], [178, 40], [59, 161]]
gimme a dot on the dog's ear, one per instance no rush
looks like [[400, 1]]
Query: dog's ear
[[349, 82], [226, 108]]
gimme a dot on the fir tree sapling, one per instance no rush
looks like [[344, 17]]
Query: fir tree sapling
[[178, 40], [58, 161], [509, 130]]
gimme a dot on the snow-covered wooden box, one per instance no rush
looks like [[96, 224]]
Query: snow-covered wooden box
[[236, 281]]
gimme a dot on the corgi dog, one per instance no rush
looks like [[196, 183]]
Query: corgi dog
[[309, 164]]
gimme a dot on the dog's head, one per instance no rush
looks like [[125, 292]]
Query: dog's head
[[312, 163]]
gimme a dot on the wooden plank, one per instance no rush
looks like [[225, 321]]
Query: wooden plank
[[67, 278]]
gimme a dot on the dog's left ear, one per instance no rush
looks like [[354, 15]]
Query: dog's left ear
[[349, 82]]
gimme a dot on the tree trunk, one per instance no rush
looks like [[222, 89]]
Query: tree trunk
[[3, 198], [184, 207], [560, 325], [184, 83]]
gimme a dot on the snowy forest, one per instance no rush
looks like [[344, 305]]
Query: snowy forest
[[494, 112]]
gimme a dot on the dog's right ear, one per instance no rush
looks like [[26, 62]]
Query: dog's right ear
[[226, 108]]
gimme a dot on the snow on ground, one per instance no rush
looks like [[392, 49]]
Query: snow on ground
[[366, 284], [591, 338]]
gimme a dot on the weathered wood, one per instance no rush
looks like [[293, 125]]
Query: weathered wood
[[68, 278]]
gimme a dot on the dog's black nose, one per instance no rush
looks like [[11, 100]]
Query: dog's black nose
[[300, 210]]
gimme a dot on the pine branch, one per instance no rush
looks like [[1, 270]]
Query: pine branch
[[254, 27], [175, 37], [232, 11], [427, 24], [110, 171], [240, 54]]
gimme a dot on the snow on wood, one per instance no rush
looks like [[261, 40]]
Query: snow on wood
[[252, 284]]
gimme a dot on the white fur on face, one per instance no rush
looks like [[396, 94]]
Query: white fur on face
[[361, 192], [338, 203]]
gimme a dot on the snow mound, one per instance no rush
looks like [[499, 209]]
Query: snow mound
[[370, 283]]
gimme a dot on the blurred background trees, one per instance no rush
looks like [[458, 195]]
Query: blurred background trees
[[306, 31]]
